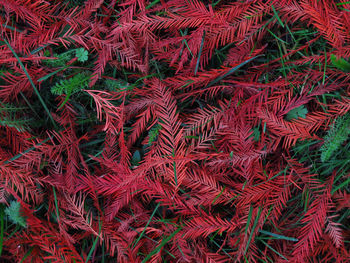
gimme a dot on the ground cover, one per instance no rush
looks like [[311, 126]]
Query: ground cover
[[174, 131]]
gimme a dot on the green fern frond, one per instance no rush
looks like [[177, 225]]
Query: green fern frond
[[13, 213], [61, 61], [299, 112], [70, 86], [115, 85], [336, 136], [11, 122], [63, 58], [9, 117], [153, 133]]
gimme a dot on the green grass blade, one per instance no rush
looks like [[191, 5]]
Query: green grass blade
[[340, 63], [216, 198], [12, 28], [144, 235], [214, 4], [149, 221], [2, 215], [91, 250], [325, 67], [273, 250], [231, 71], [345, 183], [152, 4], [162, 244], [32, 83], [26, 255], [199, 54], [185, 41], [56, 204], [38, 49], [253, 228], [175, 173], [249, 218], [29, 105], [65, 100], [279, 39], [51, 74], [278, 236], [277, 16], [344, 3], [26, 151]]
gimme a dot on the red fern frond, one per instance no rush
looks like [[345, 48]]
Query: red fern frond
[[282, 128], [314, 220], [325, 18], [103, 101], [334, 231], [205, 225]]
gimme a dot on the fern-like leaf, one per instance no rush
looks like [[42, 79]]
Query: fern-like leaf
[[14, 214], [336, 136]]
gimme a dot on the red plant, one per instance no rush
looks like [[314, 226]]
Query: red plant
[[196, 137]]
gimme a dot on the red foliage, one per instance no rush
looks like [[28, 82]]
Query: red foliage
[[217, 180]]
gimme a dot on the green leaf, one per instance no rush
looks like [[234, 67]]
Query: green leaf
[[71, 86], [296, 113], [82, 54], [61, 61], [336, 136], [256, 134], [14, 214], [116, 85], [153, 133], [9, 117], [340, 63]]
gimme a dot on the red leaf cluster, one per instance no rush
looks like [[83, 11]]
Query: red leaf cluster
[[195, 164]]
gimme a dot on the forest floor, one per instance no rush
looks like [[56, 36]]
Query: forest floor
[[174, 131]]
